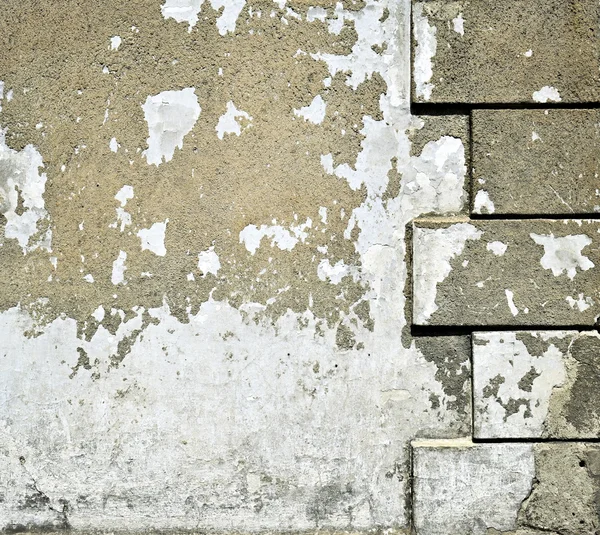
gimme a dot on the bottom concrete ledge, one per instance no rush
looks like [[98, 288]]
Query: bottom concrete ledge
[[462, 488]]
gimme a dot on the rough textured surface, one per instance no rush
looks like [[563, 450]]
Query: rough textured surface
[[522, 489], [536, 161], [202, 307], [463, 488], [536, 384], [502, 52], [520, 272], [565, 498]]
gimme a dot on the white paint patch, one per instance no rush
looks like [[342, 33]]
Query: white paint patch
[[511, 302], [503, 362], [449, 483], [115, 42], [535, 136], [285, 239], [563, 255], [335, 273], [231, 11], [433, 250], [118, 270], [22, 189], [98, 314], [153, 238], [188, 10], [114, 146], [170, 116], [182, 11], [316, 13], [229, 121], [459, 24], [208, 262], [497, 247], [426, 45], [89, 278], [582, 302], [545, 94], [323, 214], [314, 112], [124, 195], [327, 163], [528, 54], [483, 204]]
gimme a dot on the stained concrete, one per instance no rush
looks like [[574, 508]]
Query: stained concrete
[[202, 317], [460, 487], [523, 489], [518, 272], [497, 52], [536, 384], [535, 161]]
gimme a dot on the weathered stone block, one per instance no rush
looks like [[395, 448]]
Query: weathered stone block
[[565, 498], [494, 272], [536, 384], [461, 488], [520, 51], [536, 161], [524, 489]]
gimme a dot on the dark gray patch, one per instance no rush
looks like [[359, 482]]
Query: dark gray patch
[[344, 337], [451, 356], [437, 126], [434, 399], [491, 390], [329, 500], [536, 346], [526, 382], [582, 409], [82, 362], [513, 406]]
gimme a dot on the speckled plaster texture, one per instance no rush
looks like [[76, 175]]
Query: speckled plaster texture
[[202, 309], [527, 51]]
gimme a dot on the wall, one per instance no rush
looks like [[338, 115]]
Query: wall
[[206, 305]]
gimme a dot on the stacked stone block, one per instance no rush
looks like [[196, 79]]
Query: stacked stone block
[[519, 274]]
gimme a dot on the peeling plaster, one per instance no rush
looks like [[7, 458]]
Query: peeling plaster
[[506, 405], [251, 236], [545, 94], [188, 10], [21, 183], [153, 238], [252, 381], [170, 115], [564, 254], [426, 45], [229, 121], [314, 112], [208, 262], [442, 245], [483, 204]]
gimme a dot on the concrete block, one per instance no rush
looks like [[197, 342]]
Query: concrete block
[[536, 384], [460, 487], [564, 499], [519, 51], [512, 272], [536, 161]]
